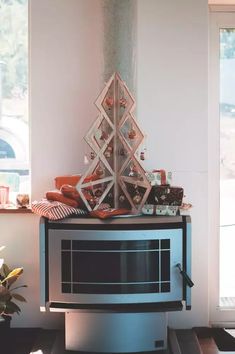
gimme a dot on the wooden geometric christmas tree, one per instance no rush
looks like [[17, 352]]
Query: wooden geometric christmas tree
[[115, 175]]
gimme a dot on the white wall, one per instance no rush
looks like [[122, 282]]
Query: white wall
[[172, 108], [19, 233], [66, 67]]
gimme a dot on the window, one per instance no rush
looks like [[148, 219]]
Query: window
[[227, 166], [222, 167], [6, 150], [14, 125]]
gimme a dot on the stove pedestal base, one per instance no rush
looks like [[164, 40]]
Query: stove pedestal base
[[115, 332]]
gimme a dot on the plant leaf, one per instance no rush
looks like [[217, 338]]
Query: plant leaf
[[18, 297], [2, 307], [13, 275], [18, 287], [6, 270], [4, 294], [11, 307]]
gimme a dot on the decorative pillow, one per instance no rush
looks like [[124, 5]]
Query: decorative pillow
[[55, 210], [70, 192], [57, 196]]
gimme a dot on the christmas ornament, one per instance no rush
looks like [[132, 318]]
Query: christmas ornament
[[110, 195], [108, 152], [137, 199], [142, 156], [109, 102], [86, 161], [99, 171], [132, 134], [122, 152], [123, 102], [92, 155], [133, 171], [122, 198], [104, 135], [98, 193]]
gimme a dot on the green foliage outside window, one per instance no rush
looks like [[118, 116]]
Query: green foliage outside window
[[13, 47], [227, 43]]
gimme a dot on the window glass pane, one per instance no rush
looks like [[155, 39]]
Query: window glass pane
[[227, 166], [6, 150], [14, 128]]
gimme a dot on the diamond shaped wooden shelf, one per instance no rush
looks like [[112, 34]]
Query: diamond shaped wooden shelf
[[115, 175]]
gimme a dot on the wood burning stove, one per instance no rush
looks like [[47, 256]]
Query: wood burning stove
[[136, 265]]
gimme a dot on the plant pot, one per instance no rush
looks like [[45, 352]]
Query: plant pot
[[5, 322]]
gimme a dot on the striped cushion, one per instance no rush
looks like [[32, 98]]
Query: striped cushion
[[55, 210]]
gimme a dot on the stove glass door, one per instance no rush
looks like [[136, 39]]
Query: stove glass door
[[115, 266]]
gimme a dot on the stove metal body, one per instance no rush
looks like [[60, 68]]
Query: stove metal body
[[109, 275]]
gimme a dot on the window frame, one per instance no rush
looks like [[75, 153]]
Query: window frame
[[20, 144]]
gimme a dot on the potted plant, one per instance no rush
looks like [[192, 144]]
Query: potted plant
[[8, 295]]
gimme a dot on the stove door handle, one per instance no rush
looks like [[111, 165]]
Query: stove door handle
[[185, 276]]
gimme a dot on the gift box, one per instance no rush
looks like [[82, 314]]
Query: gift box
[[159, 177], [165, 195], [164, 210], [149, 209], [71, 180]]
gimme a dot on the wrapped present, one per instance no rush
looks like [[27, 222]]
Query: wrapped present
[[185, 209], [149, 209], [159, 177], [165, 195], [164, 210], [167, 210], [72, 180]]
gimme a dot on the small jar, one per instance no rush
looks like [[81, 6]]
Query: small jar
[[22, 200]]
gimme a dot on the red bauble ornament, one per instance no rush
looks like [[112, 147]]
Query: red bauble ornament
[[109, 102]]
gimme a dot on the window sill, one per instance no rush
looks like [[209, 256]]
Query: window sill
[[14, 210]]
